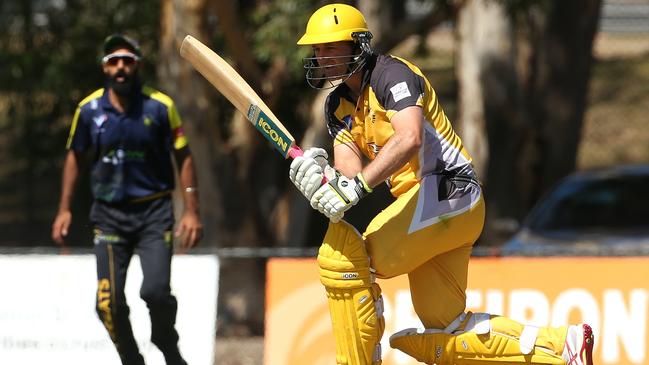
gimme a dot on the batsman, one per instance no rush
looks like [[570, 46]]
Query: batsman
[[387, 125]]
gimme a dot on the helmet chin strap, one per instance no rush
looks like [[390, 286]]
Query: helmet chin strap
[[363, 40]]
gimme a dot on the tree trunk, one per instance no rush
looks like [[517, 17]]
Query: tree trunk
[[562, 60], [522, 86], [489, 105], [228, 209], [482, 37], [189, 91]]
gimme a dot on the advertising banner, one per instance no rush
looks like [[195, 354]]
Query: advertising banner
[[47, 310], [611, 294]]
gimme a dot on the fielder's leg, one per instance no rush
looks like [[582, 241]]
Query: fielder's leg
[[113, 255], [155, 257], [155, 249], [355, 302], [479, 338]]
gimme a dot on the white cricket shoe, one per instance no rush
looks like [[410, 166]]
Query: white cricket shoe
[[578, 349]]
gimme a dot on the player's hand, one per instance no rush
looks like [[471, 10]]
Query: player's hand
[[306, 171], [338, 195], [190, 230], [60, 227]]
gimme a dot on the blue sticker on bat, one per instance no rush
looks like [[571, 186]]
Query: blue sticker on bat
[[273, 133]]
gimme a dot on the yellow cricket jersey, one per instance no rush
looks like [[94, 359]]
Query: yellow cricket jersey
[[391, 84]]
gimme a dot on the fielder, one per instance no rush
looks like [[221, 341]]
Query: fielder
[[127, 133], [382, 109]]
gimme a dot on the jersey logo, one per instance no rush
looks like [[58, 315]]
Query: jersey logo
[[372, 115], [147, 121], [372, 147], [400, 91], [347, 119], [99, 120], [114, 157]]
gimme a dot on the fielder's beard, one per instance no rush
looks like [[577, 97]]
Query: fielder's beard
[[125, 87]]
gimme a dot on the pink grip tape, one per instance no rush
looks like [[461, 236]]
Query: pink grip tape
[[295, 151]]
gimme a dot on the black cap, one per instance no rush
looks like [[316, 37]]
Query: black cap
[[114, 41]]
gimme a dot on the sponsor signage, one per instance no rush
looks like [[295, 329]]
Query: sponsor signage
[[47, 311], [611, 294]]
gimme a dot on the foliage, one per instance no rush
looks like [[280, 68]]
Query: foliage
[[278, 25]]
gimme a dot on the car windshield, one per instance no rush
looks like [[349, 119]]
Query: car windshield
[[619, 204]]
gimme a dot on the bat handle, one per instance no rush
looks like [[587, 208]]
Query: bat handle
[[296, 151]]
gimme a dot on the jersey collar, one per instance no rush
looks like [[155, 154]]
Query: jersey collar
[[367, 71]]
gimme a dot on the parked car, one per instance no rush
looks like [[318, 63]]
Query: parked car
[[603, 212]]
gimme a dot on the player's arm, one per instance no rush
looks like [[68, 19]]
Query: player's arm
[[188, 182], [64, 215], [400, 91], [347, 159], [78, 142], [344, 191], [399, 149], [190, 226]]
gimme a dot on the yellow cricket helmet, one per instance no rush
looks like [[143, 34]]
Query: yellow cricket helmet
[[333, 23]]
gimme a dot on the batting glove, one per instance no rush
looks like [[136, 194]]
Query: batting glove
[[338, 195], [306, 171]]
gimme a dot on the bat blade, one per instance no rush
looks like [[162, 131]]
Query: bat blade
[[229, 83]]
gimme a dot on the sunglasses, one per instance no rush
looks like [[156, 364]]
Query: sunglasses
[[112, 59]]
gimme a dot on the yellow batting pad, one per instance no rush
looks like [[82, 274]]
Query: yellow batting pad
[[355, 302], [501, 340]]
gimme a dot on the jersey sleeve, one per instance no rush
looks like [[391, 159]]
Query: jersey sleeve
[[79, 137], [176, 125], [398, 87], [338, 126]]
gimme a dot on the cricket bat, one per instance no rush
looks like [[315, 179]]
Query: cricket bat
[[228, 81]]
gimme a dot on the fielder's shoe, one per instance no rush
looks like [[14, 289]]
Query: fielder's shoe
[[578, 349]]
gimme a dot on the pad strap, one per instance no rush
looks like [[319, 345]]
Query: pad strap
[[528, 339], [480, 338]]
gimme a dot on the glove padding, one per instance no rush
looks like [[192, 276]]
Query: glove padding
[[338, 195], [306, 171]]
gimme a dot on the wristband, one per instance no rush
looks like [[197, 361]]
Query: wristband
[[191, 189], [360, 178]]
